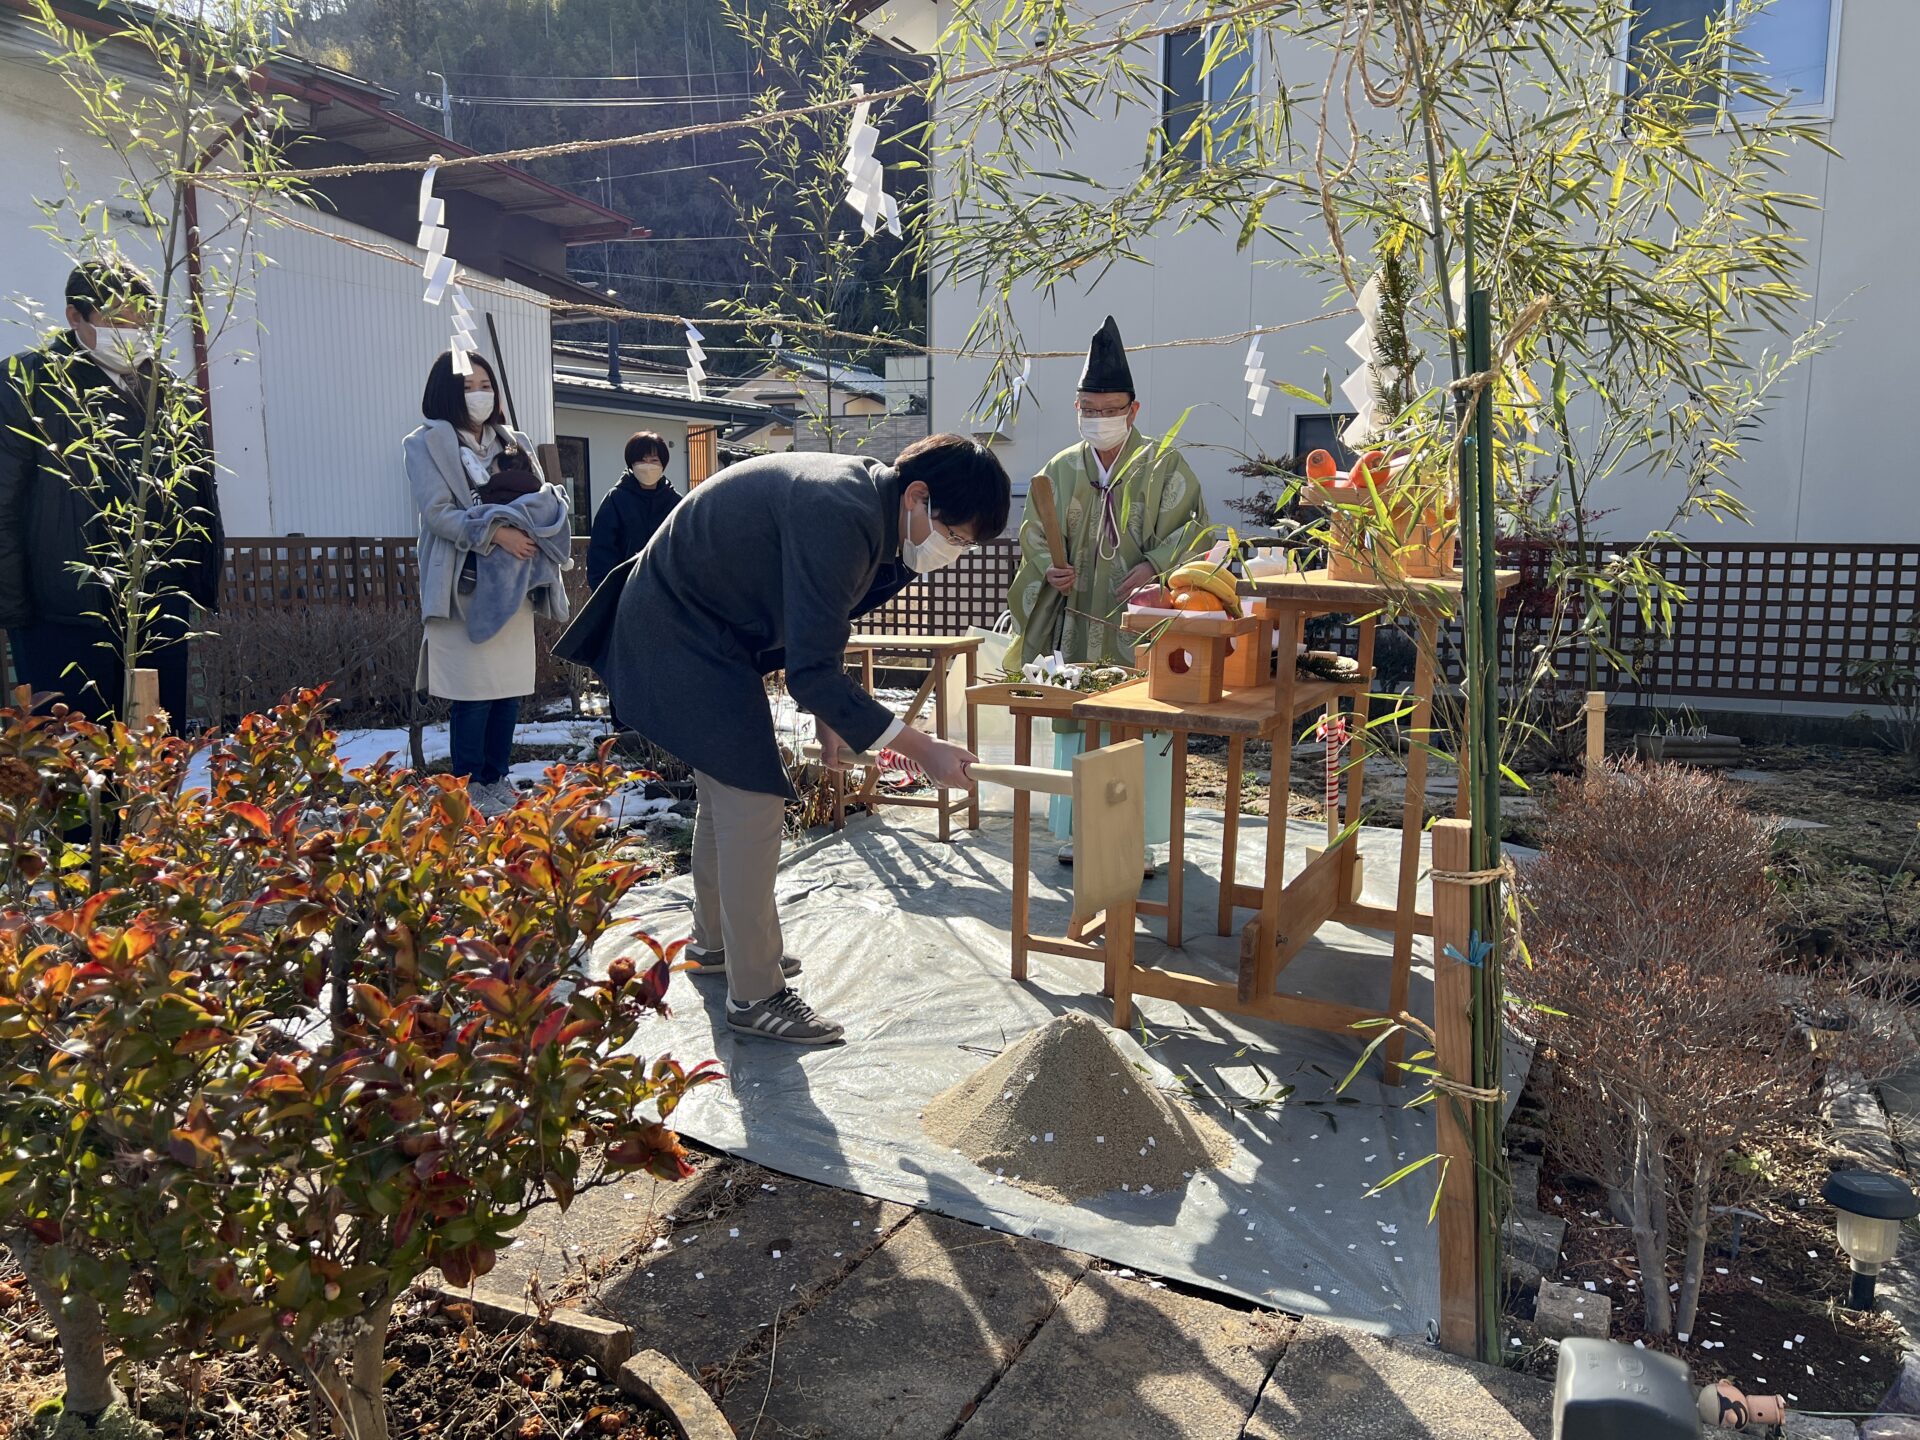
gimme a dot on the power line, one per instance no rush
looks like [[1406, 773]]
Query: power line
[[675, 169], [606, 102], [685, 239], [608, 79]]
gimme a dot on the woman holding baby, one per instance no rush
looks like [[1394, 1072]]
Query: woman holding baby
[[494, 540]]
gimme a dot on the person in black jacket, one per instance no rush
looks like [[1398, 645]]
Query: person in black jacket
[[633, 509], [763, 568], [72, 417]]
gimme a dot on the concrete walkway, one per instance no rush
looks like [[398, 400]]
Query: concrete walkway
[[812, 1312]]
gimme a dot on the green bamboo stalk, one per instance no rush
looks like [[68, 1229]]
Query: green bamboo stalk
[[1482, 723]]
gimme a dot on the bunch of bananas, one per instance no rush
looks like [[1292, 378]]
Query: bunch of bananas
[[1206, 586]]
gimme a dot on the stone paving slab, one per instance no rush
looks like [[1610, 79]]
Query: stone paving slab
[[597, 1229], [1119, 1358], [1336, 1384], [903, 1347], [709, 1292]]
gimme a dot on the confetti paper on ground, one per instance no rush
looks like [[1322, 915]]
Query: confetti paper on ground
[[1063, 1083]]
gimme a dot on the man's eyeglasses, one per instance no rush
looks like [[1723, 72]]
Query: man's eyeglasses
[[952, 538], [1105, 414]]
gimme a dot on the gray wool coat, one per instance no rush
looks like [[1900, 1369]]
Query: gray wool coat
[[443, 497], [764, 566]]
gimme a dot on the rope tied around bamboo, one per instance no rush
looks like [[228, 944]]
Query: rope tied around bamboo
[[1446, 1084]]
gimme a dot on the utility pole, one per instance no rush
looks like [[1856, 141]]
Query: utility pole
[[444, 104]]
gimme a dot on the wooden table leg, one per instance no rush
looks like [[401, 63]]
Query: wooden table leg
[[940, 795], [1022, 844], [1412, 827], [973, 735], [1279, 790], [1230, 836], [1356, 770], [1119, 939], [1177, 842]]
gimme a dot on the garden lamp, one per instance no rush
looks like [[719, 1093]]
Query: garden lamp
[[1871, 1206], [1605, 1391]]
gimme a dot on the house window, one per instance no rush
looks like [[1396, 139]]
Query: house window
[[1224, 93], [703, 454], [1322, 432], [575, 479], [1793, 43]]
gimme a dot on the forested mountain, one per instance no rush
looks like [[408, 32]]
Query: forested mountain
[[529, 72]]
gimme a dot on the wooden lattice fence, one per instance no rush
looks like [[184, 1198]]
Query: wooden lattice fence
[[1761, 623]]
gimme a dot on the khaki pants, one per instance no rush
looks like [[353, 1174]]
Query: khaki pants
[[736, 852]]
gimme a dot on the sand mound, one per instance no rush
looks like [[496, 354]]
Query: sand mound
[[1074, 1110]]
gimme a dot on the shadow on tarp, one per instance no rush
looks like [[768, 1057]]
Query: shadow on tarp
[[905, 942]]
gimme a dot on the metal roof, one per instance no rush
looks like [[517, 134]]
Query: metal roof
[[354, 113], [587, 388]]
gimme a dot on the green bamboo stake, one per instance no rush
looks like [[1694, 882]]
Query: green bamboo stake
[[1482, 724]]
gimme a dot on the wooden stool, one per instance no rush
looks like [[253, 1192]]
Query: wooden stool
[[1108, 789], [939, 652]]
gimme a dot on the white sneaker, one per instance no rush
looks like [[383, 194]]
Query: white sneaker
[[492, 800]]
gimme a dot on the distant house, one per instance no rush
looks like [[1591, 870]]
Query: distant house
[[597, 407], [317, 374], [831, 405]]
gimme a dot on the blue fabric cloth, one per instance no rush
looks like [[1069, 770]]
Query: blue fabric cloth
[[502, 582], [481, 738], [1159, 786]]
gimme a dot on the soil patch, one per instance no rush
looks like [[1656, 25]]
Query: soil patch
[[450, 1381], [1074, 1110], [1772, 1316]]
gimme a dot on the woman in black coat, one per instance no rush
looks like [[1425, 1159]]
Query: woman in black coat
[[636, 508]]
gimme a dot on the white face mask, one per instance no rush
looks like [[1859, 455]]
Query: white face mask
[[1104, 432], [648, 472], [479, 405], [122, 347], [936, 552]]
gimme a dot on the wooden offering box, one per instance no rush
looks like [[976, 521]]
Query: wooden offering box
[[1188, 656], [1420, 545]]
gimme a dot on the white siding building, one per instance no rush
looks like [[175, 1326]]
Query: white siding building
[[1823, 470]]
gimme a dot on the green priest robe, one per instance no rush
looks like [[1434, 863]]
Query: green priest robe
[[1161, 518]]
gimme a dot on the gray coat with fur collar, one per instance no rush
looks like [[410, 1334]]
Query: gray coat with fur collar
[[443, 497]]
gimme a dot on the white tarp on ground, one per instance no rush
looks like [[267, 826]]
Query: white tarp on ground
[[905, 941]]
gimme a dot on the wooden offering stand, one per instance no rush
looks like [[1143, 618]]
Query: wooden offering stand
[[1108, 790], [1419, 543], [1189, 655]]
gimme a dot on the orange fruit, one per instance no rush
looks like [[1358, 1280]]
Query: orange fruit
[[1200, 601]]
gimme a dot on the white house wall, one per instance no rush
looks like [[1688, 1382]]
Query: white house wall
[[1825, 468], [316, 375], [309, 423], [607, 432]]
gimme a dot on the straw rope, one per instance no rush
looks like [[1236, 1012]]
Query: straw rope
[[577, 311]]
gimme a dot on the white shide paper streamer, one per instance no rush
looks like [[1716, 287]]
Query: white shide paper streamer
[[696, 361], [866, 179], [442, 272], [1256, 377]]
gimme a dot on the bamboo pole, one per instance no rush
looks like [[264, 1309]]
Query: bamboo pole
[[1482, 723], [1596, 713], [143, 702], [1453, 1056]]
